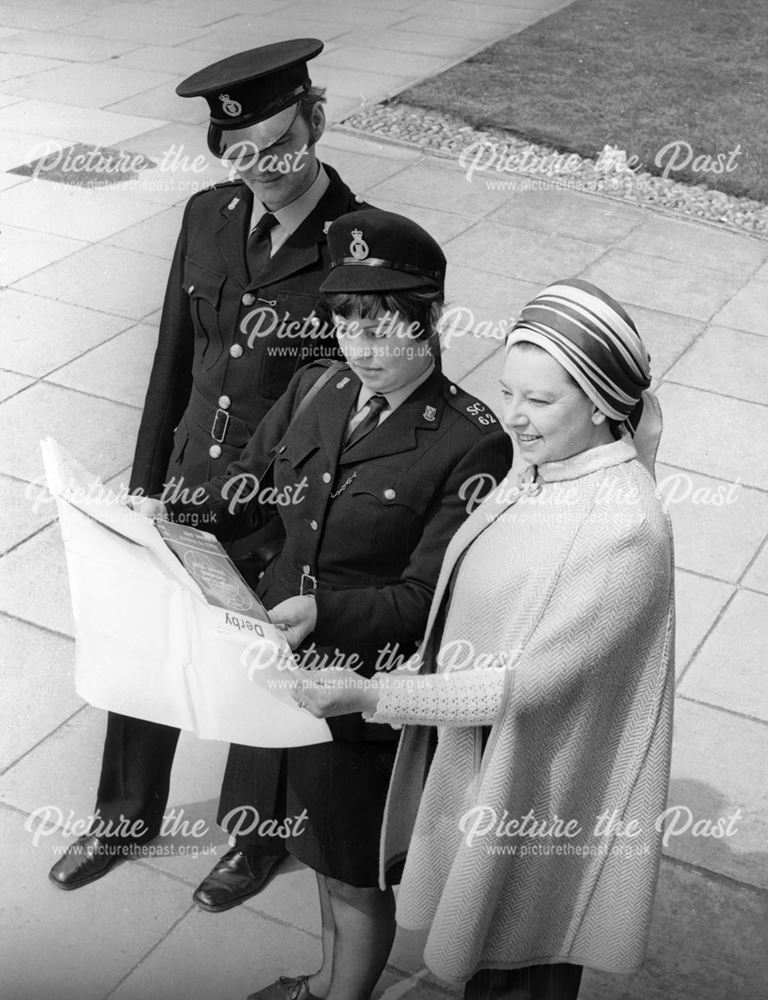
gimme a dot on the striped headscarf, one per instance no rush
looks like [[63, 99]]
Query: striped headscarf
[[597, 343]]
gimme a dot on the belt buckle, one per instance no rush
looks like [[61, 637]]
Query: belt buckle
[[225, 424], [308, 584]]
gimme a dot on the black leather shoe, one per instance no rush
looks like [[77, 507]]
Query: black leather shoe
[[89, 858], [286, 988], [237, 877]]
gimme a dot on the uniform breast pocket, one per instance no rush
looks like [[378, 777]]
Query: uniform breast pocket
[[389, 510], [203, 287], [292, 340]]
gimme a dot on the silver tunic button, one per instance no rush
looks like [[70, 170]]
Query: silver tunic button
[[306, 568], [389, 494], [191, 289], [359, 199], [236, 350], [453, 390], [281, 449], [248, 299], [326, 477], [215, 451], [313, 525], [225, 402]]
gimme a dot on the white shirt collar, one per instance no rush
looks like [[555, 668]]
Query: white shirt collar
[[398, 396], [291, 216]]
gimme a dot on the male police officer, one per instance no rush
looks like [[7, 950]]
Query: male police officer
[[240, 316]]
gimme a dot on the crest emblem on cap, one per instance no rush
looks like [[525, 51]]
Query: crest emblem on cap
[[430, 413], [358, 248], [230, 107]]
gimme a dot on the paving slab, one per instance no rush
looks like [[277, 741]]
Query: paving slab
[[523, 253], [156, 236], [23, 251], [478, 28], [696, 244], [666, 336], [568, 213], [57, 45], [698, 435], [36, 342], [483, 382], [118, 369], [38, 691], [757, 575], [19, 148], [34, 585], [168, 58], [730, 362], [136, 29], [443, 226], [30, 17], [441, 185], [408, 64], [699, 601], [729, 669], [20, 65], [77, 945], [162, 102], [64, 121], [718, 526], [227, 955], [641, 279], [718, 801], [11, 383], [73, 84], [26, 508], [363, 170], [248, 31], [117, 281], [429, 43], [706, 943], [342, 13], [366, 85], [478, 315], [748, 308], [73, 212], [99, 433]]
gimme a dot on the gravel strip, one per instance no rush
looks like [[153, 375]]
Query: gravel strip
[[508, 162]]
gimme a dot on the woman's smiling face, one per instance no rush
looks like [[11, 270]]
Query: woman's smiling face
[[545, 413]]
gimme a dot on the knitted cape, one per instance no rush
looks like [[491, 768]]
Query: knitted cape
[[580, 609]]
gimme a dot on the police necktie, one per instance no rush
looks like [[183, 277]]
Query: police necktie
[[375, 406], [259, 248]]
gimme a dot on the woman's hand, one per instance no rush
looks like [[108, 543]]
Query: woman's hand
[[296, 618], [147, 507], [330, 692]]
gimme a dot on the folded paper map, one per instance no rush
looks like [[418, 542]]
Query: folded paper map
[[166, 629]]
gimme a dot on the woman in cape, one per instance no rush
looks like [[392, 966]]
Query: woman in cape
[[531, 831]]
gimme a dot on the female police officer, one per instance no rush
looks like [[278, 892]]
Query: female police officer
[[385, 451]]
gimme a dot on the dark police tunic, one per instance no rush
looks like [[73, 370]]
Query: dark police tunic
[[228, 345], [370, 525], [227, 348]]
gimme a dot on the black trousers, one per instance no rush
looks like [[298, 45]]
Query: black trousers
[[135, 772], [535, 982], [136, 778]]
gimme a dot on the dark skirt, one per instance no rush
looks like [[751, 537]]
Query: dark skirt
[[324, 804], [534, 982]]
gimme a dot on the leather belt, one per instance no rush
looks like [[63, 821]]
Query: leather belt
[[220, 425]]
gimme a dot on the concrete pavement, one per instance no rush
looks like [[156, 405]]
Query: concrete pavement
[[83, 274]]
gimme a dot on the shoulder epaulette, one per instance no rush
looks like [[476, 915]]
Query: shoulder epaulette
[[470, 407]]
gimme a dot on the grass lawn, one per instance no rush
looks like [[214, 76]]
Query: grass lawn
[[680, 84]]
